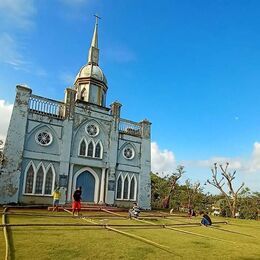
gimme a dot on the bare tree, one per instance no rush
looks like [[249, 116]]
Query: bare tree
[[192, 190], [173, 182], [227, 178]]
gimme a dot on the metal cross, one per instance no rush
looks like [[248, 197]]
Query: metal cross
[[97, 17]]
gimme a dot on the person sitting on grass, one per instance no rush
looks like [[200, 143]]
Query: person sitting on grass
[[134, 212], [206, 220], [56, 199]]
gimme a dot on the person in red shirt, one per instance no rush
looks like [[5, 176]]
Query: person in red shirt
[[76, 205]]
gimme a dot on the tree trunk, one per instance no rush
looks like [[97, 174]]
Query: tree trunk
[[234, 207]]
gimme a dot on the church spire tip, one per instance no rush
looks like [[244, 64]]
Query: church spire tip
[[94, 51]]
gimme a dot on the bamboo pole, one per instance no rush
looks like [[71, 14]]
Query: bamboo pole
[[233, 232], [7, 246], [113, 213], [90, 225]]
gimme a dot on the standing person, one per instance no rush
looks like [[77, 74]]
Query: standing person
[[192, 212], [206, 220], [56, 199], [76, 206]]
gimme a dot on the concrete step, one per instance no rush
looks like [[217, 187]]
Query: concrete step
[[90, 208]]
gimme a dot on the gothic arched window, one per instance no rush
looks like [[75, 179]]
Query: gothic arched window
[[29, 180], [90, 149], [98, 150], [39, 181], [49, 182], [83, 94], [82, 148], [132, 188], [119, 188], [126, 188]]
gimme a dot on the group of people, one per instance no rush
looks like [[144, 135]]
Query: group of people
[[76, 205], [133, 212]]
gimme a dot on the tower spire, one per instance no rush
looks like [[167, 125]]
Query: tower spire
[[93, 55]]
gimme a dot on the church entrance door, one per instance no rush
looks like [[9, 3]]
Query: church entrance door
[[87, 181]]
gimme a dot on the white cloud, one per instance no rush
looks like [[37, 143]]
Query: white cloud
[[255, 160], [9, 52], [246, 166], [5, 115], [163, 161], [234, 163], [17, 13]]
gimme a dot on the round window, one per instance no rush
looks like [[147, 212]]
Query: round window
[[129, 153], [92, 130], [43, 138]]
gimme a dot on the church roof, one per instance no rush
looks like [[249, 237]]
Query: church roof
[[91, 70]]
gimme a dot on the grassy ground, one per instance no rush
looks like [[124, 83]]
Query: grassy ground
[[99, 243]]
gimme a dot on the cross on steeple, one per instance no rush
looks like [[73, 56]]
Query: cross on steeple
[[97, 17]]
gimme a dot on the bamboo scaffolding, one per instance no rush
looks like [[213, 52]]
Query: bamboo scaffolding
[[147, 241], [221, 229], [91, 225], [57, 216], [183, 231]]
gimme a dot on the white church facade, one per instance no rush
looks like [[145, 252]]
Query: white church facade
[[77, 142]]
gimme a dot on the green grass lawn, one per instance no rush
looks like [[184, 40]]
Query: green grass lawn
[[99, 243]]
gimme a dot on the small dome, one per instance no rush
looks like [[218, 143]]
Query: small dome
[[91, 70]]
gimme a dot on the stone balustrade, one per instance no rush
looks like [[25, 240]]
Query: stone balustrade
[[46, 106], [130, 127]]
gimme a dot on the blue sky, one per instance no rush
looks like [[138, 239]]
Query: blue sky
[[191, 67]]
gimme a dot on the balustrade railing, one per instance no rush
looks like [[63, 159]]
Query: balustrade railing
[[129, 127], [46, 106]]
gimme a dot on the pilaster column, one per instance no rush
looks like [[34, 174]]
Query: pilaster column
[[102, 186], [70, 183]]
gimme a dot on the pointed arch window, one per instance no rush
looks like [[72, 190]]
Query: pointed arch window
[[84, 94], [29, 180], [90, 149], [119, 187], [48, 182], [98, 150], [83, 147], [39, 181], [126, 188], [132, 188]]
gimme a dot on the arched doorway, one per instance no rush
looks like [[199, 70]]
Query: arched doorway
[[87, 181]]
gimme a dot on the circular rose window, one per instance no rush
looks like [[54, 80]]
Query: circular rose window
[[43, 138], [92, 130], [129, 153]]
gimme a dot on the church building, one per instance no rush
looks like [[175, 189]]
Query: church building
[[77, 142]]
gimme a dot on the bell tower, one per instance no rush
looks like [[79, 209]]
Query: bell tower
[[91, 83]]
